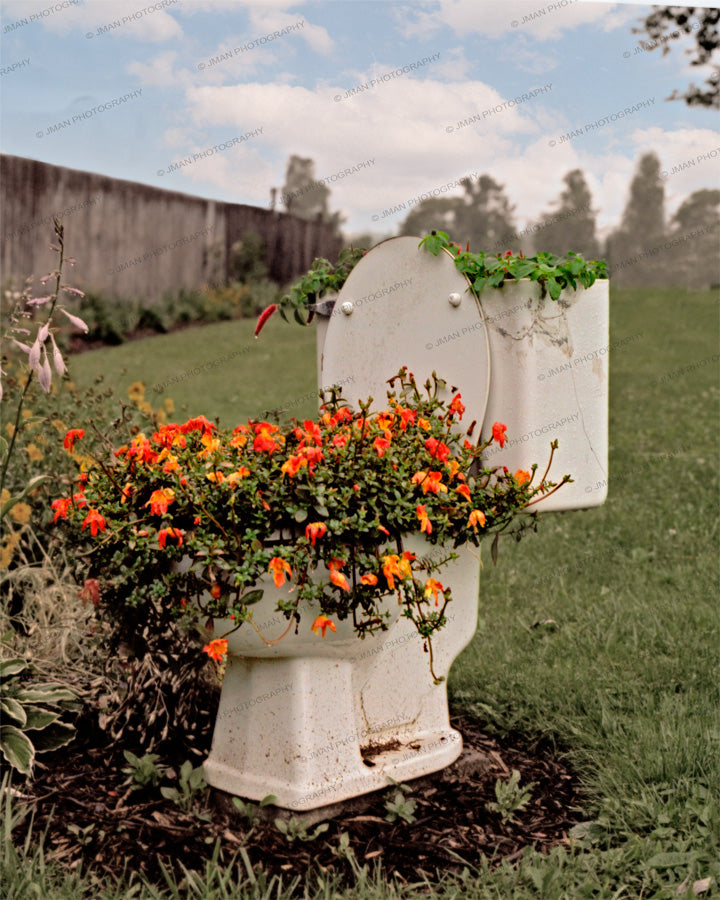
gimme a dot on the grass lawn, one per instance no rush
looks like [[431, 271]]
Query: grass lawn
[[599, 635]]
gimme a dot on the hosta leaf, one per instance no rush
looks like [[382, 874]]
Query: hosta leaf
[[14, 710], [17, 748], [45, 693], [38, 718], [12, 666], [53, 737]]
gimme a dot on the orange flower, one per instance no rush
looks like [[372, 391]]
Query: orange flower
[[395, 566], [430, 482], [477, 517], [337, 578], [216, 591], [171, 464], [217, 649], [311, 436], [425, 524], [521, 476], [292, 465], [210, 444], [73, 435], [456, 407], [384, 420], [498, 433], [407, 417], [463, 490], [368, 578], [423, 423], [215, 477], [241, 473], [322, 623], [279, 569], [453, 467], [432, 586], [172, 533], [61, 508], [160, 500], [315, 530], [127, 492], [95, 521]]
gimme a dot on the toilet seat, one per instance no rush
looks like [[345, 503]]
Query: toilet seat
[[394, 310]]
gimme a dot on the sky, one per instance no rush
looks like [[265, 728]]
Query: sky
[[392, 100]]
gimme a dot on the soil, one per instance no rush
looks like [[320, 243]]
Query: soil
[[81, 800]]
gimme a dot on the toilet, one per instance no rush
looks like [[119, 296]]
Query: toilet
[[315, 722]]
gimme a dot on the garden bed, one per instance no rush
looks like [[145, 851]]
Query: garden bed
[[82, 803]]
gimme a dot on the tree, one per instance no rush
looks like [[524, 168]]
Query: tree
[[572, 225], [433, 213], [633, 249], [485, 216], [305, 196], [482, 215], [670, 23], [693, 240]]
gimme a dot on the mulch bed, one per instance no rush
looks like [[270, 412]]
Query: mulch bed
[[81, 799]]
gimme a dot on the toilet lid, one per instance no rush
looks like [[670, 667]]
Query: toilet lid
[[401, 315]]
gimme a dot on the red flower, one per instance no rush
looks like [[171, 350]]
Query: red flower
[[456, 407], [315, 530], [437, 449], [95, 522], [61, 507], [216, 649], [381, 444], [73, 435], [169, 533], [498, 433]]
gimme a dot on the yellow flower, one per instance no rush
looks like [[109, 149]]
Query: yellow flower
[[26, 413], [21, 512], [7, 549], [10, 428], [34, 452], [136, 391], [169, 405], [5, 496], [59, 425], [145, 407]]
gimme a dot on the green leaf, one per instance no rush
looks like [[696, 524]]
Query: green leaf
[[301, 515], [299, 318], [45, 693], [268, 800], [53, 737], [15, 710], [494, 549], [252, 597], [554, 288], [17, 748], [12, 666], [38, 719]]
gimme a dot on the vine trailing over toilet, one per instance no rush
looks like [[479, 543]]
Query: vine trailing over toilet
[[553, 273], [324, 505]]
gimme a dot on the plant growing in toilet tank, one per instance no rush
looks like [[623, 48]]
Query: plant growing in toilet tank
[[191, 523], [553, 274]]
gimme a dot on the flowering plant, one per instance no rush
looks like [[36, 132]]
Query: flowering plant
[[332, 498]]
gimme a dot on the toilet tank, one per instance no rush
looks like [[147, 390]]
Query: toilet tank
[[540, 365], [549, 380]]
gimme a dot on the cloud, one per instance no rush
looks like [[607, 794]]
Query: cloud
[[492, 20]]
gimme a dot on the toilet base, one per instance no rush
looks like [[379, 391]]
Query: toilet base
[[292, 727], [376, 769]]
